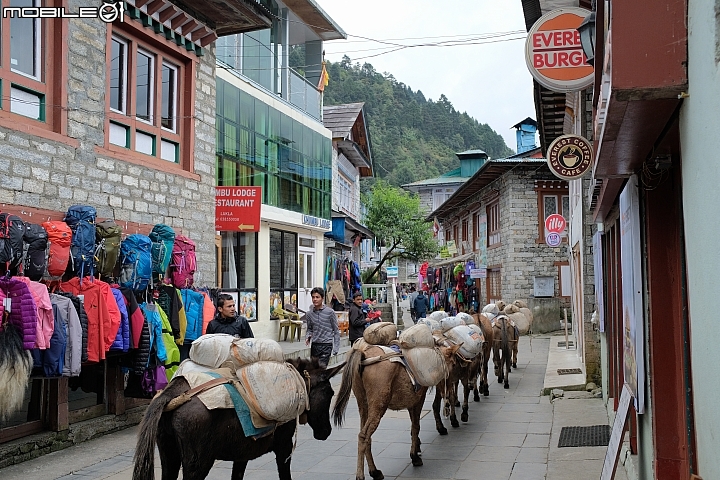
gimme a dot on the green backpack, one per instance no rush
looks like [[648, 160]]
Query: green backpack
[[163, 238], [107, 246]]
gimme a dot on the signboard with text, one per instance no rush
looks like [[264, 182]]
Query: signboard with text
[[392, 272], [237, 209], [478, 272]]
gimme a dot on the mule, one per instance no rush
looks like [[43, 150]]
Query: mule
[[484, 323], [194, 437], [463, 372], [504, 334], [377, 387]]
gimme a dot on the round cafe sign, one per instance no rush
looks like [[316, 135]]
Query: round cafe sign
[[570, 157], [554, 54]]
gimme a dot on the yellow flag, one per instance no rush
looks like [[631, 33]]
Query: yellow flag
[[324, 78]]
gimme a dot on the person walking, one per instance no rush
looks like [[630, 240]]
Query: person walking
[[411, 298], [323, 334], [421, 305], [357, 318], [227, 321]]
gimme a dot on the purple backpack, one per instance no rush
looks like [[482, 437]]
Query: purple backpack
[[183, 262]]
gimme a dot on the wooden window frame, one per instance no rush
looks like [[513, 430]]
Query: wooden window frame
[[164, 53], [494, 272], [475, 231], [51, 84], [493, 224], [456, 234], [559, 191], [559, 266]]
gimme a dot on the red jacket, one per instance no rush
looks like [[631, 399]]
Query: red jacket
[[102, 312]]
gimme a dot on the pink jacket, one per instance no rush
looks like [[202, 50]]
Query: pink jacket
[[46, 320], [23, 313]]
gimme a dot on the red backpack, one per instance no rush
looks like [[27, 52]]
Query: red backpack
[[59, 239], [183, 262]]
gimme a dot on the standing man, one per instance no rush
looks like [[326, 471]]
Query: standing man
[[227, 321], [421, 305], [322, 329], [357, 318], [411, 298]]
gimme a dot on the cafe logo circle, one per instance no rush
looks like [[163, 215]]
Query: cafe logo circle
[[570, 157]]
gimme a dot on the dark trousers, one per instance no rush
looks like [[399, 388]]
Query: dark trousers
[[322, 352]]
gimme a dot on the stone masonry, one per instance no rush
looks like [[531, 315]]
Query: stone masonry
[[53, 175]]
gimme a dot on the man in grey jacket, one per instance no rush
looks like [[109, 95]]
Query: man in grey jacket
[[322, 329]]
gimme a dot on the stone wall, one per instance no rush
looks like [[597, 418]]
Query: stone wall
[[54, 175]]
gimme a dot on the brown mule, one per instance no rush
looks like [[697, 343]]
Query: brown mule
[[488, 332], [377, 387], [459, 371], [504, 338]]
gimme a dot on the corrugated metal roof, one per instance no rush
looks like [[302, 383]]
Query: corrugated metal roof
[[437, 181], [341, 118]]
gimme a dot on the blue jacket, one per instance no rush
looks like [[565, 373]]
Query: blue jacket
[[122, 339], [421, 304], [193, 302], [152, 317]]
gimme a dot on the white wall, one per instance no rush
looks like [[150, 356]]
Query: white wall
[[699, 122]]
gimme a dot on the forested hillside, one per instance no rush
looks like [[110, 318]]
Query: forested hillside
[[413, 138]]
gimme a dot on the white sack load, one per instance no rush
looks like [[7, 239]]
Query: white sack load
[[451, 322], [433, 324], [211, 350], [426, 364], [245, 351], [416, 336], [520, 303], [470, 338], [188, 366], [274, 390], [437, 316], [528, 313], [466, 317], [381, 333], [521, 322], [491, 310]]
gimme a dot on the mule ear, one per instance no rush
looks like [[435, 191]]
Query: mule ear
[[331, 372]]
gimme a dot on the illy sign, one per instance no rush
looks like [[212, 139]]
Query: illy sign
[[555, 223]]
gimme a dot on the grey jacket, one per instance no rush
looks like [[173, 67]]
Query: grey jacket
[[73, 350], [322, 327]]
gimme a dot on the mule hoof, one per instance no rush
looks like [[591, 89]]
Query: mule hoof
[[476, 397], [507, 385], [454, 423], [514, 365], [377, 475], [500, 380], [486, 391], [464, 417], [416, 460], [442, 431], [457, 403]]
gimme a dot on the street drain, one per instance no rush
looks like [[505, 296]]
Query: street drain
[[594, 436], [568, 371], [570, 344]]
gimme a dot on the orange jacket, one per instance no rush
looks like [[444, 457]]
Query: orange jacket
[[208, 312], [102, 312]]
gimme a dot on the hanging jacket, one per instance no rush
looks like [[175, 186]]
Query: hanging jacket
[[23, 311], [154, 322], [208, 312], [82, 316], [193, 302], [51, 360], [102, 312], [173, 352], [122, 339], [46, 320], [69, 317], [142, 353], [171, 303], [137, 319]]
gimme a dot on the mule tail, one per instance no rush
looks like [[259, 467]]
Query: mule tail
[[351, 367], [144, 458], [504, 337]]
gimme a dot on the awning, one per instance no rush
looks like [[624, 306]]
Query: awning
[[448, 261]]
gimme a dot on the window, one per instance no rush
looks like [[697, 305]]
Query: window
[[494, 290], [345, 196], [464, 232], [564, 279], [30, 61], [148, 113], [456, 237], [283, 268], [552, 198], [493, 223]]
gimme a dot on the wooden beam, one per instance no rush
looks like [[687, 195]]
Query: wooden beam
[[141, 3], [189, 26], [155, 6], [168, 13], [208, 39], [199, 33], [179, 21], [58, 404]]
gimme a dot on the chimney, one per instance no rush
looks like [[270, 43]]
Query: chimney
[[526, 135]]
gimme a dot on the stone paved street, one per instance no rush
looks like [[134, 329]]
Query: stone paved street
[[512, 434]]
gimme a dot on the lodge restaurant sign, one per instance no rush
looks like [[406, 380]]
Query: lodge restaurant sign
[[554, 54], [570, 157]]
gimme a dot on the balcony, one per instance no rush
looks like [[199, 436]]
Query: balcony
[[304, 95]]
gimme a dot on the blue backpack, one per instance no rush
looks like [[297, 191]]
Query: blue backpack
[[163, 238], [81, 220], [135, 262]]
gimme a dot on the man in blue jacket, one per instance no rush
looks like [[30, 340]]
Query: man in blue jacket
[[421, 305]]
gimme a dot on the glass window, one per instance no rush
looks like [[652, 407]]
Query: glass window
[[118, 75], [143, 86], [276, 248], [289, 260], [169, 97], [25, 41]]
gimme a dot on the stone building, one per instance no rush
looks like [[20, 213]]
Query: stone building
[[119, 116]]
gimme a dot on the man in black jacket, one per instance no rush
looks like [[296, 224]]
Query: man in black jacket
[[227, 321], [357, 318]]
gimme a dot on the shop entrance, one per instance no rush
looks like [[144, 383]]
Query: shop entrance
[[306, 273]]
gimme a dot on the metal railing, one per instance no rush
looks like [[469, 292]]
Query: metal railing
[[304, 95]]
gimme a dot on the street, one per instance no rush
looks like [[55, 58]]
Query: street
[[512, 434]]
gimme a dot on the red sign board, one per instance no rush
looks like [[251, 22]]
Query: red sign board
[[237, 209], [555, 223]]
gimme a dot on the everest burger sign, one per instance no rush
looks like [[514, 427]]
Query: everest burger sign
[[570, 156], [554, 54]]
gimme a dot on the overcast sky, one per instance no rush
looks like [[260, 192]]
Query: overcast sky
[[489, 81]]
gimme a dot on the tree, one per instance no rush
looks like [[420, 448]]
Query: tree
[[395, 217]]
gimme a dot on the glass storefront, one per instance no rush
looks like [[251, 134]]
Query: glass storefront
[[260, 146], [240, 270], [283, 268]]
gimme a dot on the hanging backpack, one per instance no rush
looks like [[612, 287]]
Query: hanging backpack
[[12, 229], [183, 263], [59, 239], [108, 237], [81, 220], [135, 262], [163, 239], [35, 261]]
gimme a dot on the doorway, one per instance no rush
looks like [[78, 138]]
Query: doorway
[[306, 272]]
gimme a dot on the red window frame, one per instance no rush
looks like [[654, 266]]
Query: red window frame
[[493, 224]]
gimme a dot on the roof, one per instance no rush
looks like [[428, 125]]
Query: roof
[[476, 151], [349, 129], [316, 19], [437, 181], [341, 118], [491, 170], [527, 121]]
